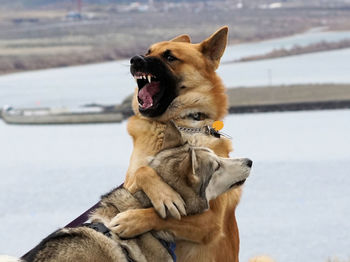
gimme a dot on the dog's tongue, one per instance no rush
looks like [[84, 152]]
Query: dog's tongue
[[146, 94]]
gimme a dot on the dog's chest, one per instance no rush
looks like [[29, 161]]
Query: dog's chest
[[147, 135], [147, 138]]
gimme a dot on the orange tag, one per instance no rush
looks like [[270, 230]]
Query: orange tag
[[218, 125]]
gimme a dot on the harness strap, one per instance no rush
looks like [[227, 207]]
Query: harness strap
[[170, 246], [99, 227], [83, 217]]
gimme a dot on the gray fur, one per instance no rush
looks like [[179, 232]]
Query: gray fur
[[188, 170]]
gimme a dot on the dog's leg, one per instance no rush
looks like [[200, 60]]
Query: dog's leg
[[201, 228], [162, 196]]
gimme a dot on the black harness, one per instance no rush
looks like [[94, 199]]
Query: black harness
[[99, 227]]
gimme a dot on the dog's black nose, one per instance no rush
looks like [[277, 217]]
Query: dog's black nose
[[249, 163], [137, 60]]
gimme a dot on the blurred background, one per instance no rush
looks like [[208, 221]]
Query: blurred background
[[287, 73]]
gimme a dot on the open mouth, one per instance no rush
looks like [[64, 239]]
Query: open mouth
[[157, 85], [239, 183], [150, 93]]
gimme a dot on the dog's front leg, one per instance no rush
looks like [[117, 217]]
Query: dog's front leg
[[201, 228], [162, 196]]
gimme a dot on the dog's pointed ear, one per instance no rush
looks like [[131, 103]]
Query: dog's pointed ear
[[182, 38], [214, 46], [172, 136], [193, 178]]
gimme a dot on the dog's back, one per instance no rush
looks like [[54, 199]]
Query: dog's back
[[95, 243]]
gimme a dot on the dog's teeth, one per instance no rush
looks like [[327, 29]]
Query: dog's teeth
[[149, 79]]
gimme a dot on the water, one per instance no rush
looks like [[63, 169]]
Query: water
[[294, 206], [106, 83], [236, 52], [111, 82], [316, 68], [51, 174]]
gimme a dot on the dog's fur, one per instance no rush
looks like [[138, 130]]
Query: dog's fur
[[186, 73], [202, 176]]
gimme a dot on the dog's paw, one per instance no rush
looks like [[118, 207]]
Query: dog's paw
[[130, 223], [166, 199]]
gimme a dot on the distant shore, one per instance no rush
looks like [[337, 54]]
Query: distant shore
[[279, 98], [41, 39], [252, 100], [288, 98]]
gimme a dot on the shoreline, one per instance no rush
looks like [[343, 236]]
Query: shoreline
[[273, 54], [306, 106], [35, 62], [241, 100]]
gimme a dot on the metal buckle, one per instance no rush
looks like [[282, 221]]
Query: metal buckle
[[212, 132], [225, 135]]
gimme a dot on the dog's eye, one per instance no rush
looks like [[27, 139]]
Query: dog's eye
[[168, 56], [171, 58], [218, 166]]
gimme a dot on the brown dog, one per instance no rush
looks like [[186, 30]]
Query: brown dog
[[202, 176], [177, 81]]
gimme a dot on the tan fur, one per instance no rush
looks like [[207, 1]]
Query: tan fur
[[202, 175], [213, 235]]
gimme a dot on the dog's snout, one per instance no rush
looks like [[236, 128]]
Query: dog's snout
[[137, 60], [249, 162]]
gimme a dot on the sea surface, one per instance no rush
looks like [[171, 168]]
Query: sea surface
[[295, 205]]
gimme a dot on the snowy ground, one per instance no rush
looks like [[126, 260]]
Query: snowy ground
[[295, 205]]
